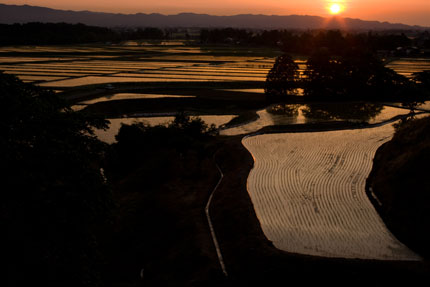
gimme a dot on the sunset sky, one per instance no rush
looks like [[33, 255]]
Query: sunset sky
[[399, 11]]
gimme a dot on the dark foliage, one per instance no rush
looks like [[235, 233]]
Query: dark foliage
[[136, 141], [148, 33], [50, 33], [423, 80], [62, 33], [352, 75], [322, 76], [226, 35], [162, 178], [308, 42], [283, 78], [55, 198]]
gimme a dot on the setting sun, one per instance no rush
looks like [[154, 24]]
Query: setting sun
[[335, 8]]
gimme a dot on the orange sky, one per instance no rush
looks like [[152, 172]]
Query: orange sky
[[399, 11]]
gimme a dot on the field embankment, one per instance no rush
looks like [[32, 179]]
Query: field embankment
[[399, 179]]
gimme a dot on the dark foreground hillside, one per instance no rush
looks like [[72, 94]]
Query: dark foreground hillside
[[400, 181]]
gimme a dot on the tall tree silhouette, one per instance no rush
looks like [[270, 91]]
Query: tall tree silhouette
[[323, 76], [354, 75], [282, 79]]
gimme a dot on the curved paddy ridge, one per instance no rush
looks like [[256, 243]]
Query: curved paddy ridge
[[308, 191]]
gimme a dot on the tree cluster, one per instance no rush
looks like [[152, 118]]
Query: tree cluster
[[162, 177], [135, 141], [352, 75], [307, 42], [58, 211], [55, 198], [283, 78], [62, 33], [148, 33]]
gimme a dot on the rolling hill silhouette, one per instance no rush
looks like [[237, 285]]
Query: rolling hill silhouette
[[10, 14]]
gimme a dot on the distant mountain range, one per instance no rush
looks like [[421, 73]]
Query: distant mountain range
[[10, 14]]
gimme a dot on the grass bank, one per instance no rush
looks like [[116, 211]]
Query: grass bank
[[399, 180]]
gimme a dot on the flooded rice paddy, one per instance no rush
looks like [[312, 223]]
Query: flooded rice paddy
[[408, 66], [170, 61], [313, 113], [308, 191], [129, 96], [148, 62], [257, 91], [93, 80], [425, 106]]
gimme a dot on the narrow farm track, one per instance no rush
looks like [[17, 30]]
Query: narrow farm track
[[308, 191], [211, 228]]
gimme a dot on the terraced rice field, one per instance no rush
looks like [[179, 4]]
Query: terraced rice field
[[145, 62], [408, 66], [31, 78], [128, 96], [257, 91], [93, 80], [425, 106], [192, 77], [174, 69], [171, 61], [308, 190], [28, 59]]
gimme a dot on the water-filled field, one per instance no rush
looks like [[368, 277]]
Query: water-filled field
[[424, 106], [128, 96], [308, 190], [311, 113], [408, 66], [134, 62], [31, 78], [257, 91], [93, 80]]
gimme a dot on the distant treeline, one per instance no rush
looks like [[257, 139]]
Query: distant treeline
[[62, 33], [290, 41], [309, 41]]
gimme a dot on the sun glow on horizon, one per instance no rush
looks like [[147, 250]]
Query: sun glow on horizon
[[336, 8]]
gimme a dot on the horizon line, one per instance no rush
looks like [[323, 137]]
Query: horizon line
[[215, 15]]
